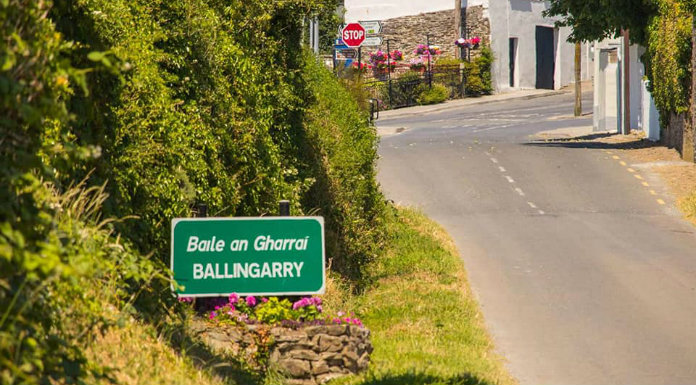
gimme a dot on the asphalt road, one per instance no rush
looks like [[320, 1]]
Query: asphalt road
[[583, 275]]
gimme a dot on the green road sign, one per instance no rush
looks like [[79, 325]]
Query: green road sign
[[248, 256]]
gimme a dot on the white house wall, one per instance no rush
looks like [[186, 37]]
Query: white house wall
[[380, 10], [519, 19]]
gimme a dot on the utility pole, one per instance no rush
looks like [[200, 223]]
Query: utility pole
[[626, 127], [578, 79], [457, 26]]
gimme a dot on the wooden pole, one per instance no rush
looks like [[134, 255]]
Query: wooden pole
[[626, 127], [578, 79], [457, 26]]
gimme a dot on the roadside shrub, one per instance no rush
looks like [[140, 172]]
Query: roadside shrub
[[339, 150], [478, 73], [437, 94], [448, 62]]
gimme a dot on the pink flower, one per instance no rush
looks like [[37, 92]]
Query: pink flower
[[212, 315], [234, 298], [251, 301], [264, 299]]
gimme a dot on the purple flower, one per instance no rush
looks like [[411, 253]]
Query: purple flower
[[251, 301], [319, 308]]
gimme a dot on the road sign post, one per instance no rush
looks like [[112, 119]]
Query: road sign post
[[353, 35], [248, 256]]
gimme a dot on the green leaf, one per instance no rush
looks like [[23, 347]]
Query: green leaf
[[96, 56]]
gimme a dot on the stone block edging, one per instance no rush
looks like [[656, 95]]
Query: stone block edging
[[307, 355]]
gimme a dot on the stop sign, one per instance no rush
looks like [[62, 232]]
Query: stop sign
[[353, 35]]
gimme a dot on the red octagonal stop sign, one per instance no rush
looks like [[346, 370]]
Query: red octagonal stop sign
[[353, 35]]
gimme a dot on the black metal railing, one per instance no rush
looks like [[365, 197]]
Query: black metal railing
[[402, 89]]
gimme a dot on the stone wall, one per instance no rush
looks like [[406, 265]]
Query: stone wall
[[307, 356], [409, 31]]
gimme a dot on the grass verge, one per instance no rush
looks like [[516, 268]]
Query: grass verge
[[426, 326]]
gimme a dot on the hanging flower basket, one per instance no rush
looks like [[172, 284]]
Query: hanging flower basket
[[472, 43]]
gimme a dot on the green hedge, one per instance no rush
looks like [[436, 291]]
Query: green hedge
[[165, 104], [668, 58]]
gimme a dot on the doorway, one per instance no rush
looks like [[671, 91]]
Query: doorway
[[546, 58], [513, 62]]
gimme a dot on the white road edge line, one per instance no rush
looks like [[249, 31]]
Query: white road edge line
[[501, 168], [509, 179], [519, 191], [532, 205], [494, 160]]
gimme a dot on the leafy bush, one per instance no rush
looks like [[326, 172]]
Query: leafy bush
[[478, 73], [437, 94]]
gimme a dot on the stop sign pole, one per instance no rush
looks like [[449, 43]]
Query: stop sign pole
[[353, 35]]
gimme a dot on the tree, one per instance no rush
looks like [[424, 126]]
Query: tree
[[600, 19]]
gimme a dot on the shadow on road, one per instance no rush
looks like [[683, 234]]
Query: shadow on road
[[425, 379], [595, 141]]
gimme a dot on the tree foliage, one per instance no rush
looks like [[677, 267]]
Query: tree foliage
[[599, 19], [662, 26]]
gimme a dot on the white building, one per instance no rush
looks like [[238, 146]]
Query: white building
[[530, 52]]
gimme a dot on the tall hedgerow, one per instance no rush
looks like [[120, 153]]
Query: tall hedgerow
[[341, 149], [668, 57], [156, 105]]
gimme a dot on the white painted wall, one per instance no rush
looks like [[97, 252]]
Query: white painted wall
[[519, 19], [609, 91], [386, 9]]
